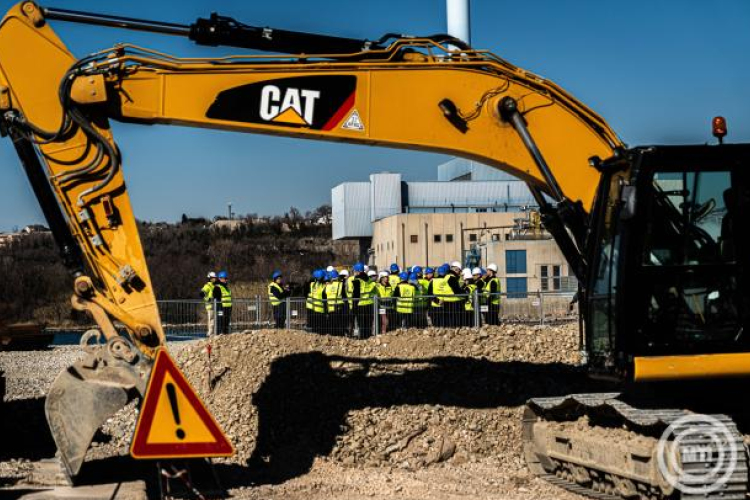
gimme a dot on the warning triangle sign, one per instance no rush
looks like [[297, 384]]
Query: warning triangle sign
[[173, 422], [354, 122]]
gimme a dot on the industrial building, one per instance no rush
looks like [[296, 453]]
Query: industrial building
[[472, 212]]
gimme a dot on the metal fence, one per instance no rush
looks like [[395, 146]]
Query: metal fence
[[183, 319]]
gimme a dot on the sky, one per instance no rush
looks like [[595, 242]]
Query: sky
[[657, 71]]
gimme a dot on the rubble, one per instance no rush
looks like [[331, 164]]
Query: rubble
[[406, 399], [405, 402]]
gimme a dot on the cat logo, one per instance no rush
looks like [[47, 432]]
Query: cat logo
[[317, 102], [297, 106]]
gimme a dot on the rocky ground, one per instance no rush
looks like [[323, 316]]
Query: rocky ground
[[410, 414]]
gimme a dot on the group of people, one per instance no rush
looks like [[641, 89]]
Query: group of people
[[339, 302]]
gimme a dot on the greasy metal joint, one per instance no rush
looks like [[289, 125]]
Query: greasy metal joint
[[143, 332], [34, 13], [122, 349], [83, 286]]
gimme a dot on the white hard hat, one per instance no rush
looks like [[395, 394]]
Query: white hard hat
[[212, 274], [367, 268], [456, 263], [476, 271], [371, 273], [492, 267], [383, 274], [344, 272], [466, 274], [330, 269]]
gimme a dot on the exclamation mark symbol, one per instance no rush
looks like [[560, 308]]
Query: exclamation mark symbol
[[175, 409]]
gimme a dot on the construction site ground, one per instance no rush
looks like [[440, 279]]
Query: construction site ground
[[411, 414]]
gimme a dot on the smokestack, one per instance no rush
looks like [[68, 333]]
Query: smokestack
[[458, 19]]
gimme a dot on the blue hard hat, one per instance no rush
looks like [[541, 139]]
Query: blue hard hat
[[394, 268], [416, 269], [484, 271], [327, 275], [276, 274], [334, 274], [403, 275], [413, 277], [318, 274], [359, 267], [222, 274], [442, 270], [429, 270]]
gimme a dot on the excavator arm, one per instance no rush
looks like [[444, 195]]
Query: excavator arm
[[415, 93]]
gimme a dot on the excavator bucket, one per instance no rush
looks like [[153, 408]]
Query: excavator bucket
[[86, 394]]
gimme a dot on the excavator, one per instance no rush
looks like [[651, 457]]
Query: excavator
[[652, 233]]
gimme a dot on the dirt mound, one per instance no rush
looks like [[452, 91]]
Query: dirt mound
[[406, 399]]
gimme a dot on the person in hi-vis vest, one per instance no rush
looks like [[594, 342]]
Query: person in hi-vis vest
[[222, 294], [207, 293], [277, 294]]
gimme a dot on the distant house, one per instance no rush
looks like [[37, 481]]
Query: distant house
[[324, 220], [230, 225], [7, 238], [35, 228]]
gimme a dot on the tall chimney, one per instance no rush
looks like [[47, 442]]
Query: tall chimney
[[457, 15]]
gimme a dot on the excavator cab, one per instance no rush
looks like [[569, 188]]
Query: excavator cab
[[670, 263]]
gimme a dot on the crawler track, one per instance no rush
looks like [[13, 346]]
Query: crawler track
[[599, 446]]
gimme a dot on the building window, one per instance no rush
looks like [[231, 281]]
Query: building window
[[438, 238], [516, 288], [449, 238], [550, 278], [473, 237], [515, 262], [414, 238]]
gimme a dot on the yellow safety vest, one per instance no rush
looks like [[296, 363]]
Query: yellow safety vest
[[226, 295], [422, 290], [384, 291], [394, 280], [494, 299], [309, 301], [208, 291], [366, 292], [469, 304], [275, 301], [317, 295], [334, 291], [405, 301], [437, 282], [447, 291]]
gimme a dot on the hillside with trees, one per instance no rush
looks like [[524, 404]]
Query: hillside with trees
[[36, 286]]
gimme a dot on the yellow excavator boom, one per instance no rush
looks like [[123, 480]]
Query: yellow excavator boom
[[414, 93]]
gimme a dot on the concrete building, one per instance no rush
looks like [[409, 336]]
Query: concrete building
[[473, 213]]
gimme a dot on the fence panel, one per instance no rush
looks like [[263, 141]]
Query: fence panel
[[185, 319]]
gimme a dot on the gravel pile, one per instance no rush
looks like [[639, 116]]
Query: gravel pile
[[29, 374], [406, 402], [407, 399]]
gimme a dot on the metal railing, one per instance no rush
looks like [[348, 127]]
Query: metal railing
[[184, 319]]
